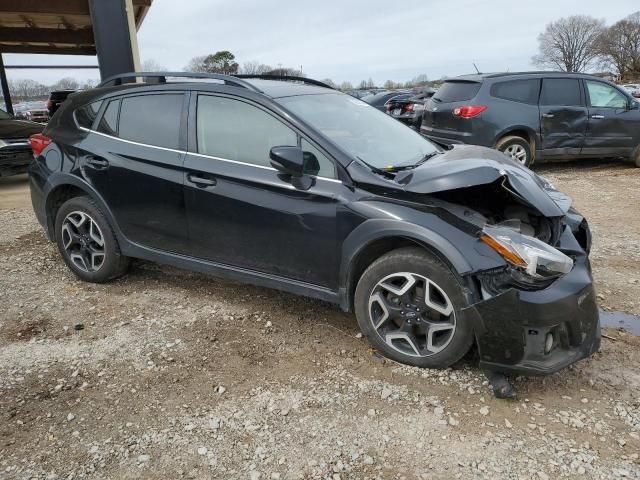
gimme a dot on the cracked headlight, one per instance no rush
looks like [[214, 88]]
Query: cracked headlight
[[533, 256]]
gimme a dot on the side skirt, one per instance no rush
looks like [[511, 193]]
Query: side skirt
[[228, 272]]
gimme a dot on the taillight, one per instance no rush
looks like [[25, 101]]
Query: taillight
[[38, 143], [468, 111], [408, 107], [49, 104]]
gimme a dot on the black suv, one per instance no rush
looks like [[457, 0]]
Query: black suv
[[536, 116], [292, 185]]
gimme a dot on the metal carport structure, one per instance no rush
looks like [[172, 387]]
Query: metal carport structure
[[105, 28]]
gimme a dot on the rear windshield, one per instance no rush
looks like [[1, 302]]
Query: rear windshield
[[456, 91]]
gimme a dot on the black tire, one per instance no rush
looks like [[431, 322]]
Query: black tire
[[635, 157], [415, 261], [505, 144], [112, 263]]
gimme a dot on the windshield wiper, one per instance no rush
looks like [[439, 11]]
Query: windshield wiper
[[427, 157]]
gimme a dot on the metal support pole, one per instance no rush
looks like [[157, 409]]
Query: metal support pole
[[5, 87]]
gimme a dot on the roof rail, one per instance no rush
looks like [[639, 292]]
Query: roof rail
[[310, 81], [161, 77]]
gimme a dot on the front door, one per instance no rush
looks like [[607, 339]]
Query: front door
[[611, 123], [244, 213], [139, 169], [563, 117]]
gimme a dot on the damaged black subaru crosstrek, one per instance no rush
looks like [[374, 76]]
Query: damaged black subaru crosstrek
[[288, 184]]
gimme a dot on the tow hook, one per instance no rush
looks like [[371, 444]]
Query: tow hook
[[501, 386]]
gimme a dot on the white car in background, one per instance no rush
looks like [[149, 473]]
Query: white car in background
[[633, 89]]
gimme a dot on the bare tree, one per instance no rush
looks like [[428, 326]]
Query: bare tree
[[346, 86], [569, 44], [330, 82], [67, 83], [619, 47], [151, 65], [25, 89], [255, 68]]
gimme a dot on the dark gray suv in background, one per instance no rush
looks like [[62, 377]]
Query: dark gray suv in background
[[536, 116]]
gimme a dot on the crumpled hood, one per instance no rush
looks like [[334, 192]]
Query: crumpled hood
[[467, 166], [19, 128]]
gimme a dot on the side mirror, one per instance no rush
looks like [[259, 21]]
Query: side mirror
[[288, 160], [293, 161], [633, 105]]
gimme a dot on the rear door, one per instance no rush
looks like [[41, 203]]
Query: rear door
[[244, 213], [612, 125], [563, 117], [134, 159]]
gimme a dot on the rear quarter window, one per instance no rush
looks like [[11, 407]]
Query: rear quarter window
[[457, 91], [522, 91], [86, 114]]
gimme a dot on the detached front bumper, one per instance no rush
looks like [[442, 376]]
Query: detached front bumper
[[14, 160], [513, 328]]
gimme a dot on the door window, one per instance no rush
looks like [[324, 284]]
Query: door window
[[561, 92], [152, 119], [235, 130], [603, 95]]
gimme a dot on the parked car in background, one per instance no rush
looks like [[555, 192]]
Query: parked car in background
[[379, 100], [56, 98], [633, 89], [15, 151], [293, 185], [409, 110], [32, 111], [360, 93], [536, 116]]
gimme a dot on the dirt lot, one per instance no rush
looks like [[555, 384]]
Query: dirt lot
[[169, 374]]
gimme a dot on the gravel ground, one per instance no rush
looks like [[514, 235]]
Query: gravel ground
[[169, 374]]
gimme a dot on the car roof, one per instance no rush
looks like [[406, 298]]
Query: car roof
[[281, 88]]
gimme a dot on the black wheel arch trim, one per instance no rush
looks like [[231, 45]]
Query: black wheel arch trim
[[60, 180], [370, 231]]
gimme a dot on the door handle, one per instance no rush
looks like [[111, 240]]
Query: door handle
[[201, 181], [97, 163], [548, 115], [599, 117]]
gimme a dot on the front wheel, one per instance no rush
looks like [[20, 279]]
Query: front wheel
[[517, 148], [409, 306]]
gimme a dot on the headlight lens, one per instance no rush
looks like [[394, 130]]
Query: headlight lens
[[533, 256]]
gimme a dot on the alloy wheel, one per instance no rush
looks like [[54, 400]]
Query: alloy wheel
[[83, 241], [517, 152], [412, 314]]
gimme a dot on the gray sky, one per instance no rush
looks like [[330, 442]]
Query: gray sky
[[349, 39]]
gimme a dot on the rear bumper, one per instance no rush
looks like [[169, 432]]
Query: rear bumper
[[451, 137], [513, 327], [14, 160]]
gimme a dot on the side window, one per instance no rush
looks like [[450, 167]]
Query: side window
[[561, 92], [235, 130], [603, 95], [523, 91], [109, 122], [325, 167], [152, 119], [87, 114]]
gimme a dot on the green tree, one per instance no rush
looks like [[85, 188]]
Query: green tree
[[220, 62]]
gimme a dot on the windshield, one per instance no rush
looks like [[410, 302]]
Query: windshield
[[4, 115], [361, 130]]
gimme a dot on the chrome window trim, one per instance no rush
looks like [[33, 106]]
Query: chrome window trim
[[333, 180]]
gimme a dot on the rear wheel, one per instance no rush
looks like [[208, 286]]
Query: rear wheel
[[517, 148], [409, 306], [87, 243], [635, 156]]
